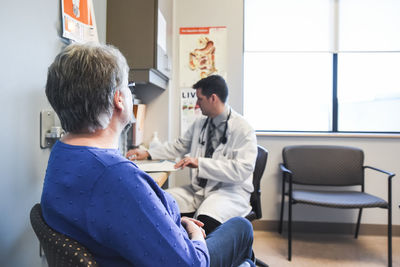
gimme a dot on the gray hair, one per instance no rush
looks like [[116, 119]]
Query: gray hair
[[81, 83]]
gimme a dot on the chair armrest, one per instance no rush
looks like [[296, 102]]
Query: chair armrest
[[390, 176], [287, 174], [284, 169], [382, 171]]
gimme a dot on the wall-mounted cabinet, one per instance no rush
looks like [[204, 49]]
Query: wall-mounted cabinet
[[141, 30]]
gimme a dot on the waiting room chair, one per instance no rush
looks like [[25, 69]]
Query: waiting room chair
[[255, 198], [326, 166], [59, 249]]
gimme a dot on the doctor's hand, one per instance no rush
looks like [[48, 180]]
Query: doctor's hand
[[193, 228], [187, 161], [137, 154]]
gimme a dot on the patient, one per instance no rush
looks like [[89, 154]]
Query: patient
[[96, 196]]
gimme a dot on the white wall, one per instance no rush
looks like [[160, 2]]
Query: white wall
[[158, 110], [30, 40], [379, 152]]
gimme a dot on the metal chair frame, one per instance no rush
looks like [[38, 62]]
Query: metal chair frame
[[287, 177]]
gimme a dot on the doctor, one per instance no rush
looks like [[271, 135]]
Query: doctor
[[220, 150]]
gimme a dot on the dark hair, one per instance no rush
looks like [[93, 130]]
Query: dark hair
[[213, 84], [81, 83]]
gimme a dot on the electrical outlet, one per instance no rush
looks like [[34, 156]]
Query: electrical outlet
[[47, 120]]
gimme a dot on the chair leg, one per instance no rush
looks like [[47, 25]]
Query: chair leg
[[282, 208], [358, 223], [290, 230], [390, 235], [260, 263]]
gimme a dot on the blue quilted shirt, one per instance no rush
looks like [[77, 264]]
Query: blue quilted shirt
[[117, 211]]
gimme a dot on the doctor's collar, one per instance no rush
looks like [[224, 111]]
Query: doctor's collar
[[222, 117]]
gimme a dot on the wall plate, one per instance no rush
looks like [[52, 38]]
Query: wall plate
[[47, 120]]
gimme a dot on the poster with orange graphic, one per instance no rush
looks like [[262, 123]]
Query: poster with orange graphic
[[202, 52], [190, 111], [78, 20]]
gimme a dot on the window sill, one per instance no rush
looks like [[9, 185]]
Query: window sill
[[322, 134]]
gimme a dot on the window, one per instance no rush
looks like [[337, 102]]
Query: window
[[322, 65]]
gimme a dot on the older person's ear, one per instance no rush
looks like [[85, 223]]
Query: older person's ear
[[118, 100]]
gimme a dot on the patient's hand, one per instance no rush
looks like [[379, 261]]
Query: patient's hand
[[137, 154], [193, 228]]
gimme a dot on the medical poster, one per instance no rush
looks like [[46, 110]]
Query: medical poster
[[189, 111], [202, 53], [78, 20]]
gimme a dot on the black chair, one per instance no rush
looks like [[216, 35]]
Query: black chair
[[255, 198], [60, 250], [330, 166]]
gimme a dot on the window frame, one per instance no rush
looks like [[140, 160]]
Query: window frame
[[335, 105]]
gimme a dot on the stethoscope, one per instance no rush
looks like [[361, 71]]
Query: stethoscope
[[223, 138]]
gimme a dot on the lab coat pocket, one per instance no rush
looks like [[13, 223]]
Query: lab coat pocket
[[220, 152], [223, 151]]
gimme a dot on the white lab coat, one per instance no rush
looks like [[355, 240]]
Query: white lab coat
[[229, 171]]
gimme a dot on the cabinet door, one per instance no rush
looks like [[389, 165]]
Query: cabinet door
[[142, 30], [131, 26], [164, 36]]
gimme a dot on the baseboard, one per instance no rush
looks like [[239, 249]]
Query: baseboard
[[324, 227]]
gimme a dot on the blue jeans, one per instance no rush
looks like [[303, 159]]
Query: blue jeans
[[231, 243]]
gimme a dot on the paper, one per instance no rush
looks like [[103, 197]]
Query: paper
[[78, 20], [156, 166]]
